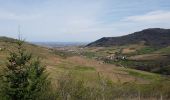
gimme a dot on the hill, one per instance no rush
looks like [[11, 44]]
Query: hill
[[57, 64], [92, 74], [6, 39], [151, 37]]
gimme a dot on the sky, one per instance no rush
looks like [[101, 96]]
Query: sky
[[80, 20]]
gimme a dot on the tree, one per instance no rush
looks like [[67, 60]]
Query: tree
[[23, 77]]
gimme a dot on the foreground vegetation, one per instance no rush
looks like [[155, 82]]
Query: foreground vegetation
[[71, 89], [22, 78]]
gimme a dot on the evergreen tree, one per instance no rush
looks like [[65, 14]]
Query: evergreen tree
[[23, 77]]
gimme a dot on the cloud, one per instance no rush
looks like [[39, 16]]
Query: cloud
[[79, 20], [130, 24], [5, 15], [151, 17]]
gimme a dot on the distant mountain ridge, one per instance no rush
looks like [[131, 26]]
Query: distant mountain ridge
[[59, 44], [151, 37]]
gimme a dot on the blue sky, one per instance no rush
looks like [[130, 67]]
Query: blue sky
[[80, 20]]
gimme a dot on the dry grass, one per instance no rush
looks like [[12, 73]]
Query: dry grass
[[86, 69], [116, 74], [128, 50], [57, 65]]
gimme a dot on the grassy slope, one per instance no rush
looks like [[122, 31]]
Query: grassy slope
[[141, 57], [83, 68]]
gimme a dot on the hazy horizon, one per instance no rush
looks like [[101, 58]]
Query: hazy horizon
[[80, 20]]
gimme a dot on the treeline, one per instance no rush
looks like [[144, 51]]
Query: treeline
[[160, 67]]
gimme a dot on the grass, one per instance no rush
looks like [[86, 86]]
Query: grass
[[89, 73], [65, 66], [144, 50], [144, 75], [61, 53], [84, 68], [86, 73], [160, 66], [71, 66], [165, 50], [108, 90], [89, 54]]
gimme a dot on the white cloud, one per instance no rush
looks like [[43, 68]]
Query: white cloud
[[77, 20], [5, 15], [151, 17]]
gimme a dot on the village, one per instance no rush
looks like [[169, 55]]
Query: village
[[85, 52]]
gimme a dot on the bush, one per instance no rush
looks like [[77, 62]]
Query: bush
[[69, 88]]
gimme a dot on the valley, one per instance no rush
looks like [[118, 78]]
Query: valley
[[137, 67]]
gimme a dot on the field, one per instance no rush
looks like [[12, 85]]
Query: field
[[85, 64]]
